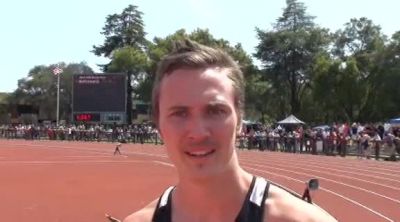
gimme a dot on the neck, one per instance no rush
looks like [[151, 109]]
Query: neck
[[203, 199]]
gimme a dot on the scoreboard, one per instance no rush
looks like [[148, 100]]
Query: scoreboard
[[99, 98]]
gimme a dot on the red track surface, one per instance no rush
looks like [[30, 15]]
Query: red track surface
[[80, 181]]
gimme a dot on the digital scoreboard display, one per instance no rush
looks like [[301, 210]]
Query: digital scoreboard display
[[99, 93], [87, 117]]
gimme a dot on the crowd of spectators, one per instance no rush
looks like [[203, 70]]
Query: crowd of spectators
[[362, 140], [135, 133]]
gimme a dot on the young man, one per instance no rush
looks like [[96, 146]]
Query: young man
[[198, 100]]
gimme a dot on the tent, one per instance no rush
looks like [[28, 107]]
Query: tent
[[291, 120], [395, 121], [247, 122], [322, 127]]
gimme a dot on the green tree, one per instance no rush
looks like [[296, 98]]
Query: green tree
[[339, 88], [4, 108], [288, 52], [258, 98], [124, 35], [358, 38], [362, 46], [386, 100], [39, 88], [134, 62], [120, 30]]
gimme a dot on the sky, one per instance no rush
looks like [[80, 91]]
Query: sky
[[45, 32]]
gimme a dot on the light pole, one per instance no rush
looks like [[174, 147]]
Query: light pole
[[58, 99], [57, 71]]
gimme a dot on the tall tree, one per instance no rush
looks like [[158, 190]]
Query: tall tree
[[130, 60], [359, 37], [386, 99], [39, 88], [339, 89], [121, 31], [4, 108], [361, 45], [288, 51]]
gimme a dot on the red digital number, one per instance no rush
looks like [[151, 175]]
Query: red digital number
[[83, 117]]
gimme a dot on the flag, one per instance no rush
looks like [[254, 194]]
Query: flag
[[57, 70]]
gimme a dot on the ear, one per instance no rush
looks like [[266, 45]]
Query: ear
[[239, 125]]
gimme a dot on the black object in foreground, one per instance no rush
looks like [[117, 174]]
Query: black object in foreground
[[312, 184]]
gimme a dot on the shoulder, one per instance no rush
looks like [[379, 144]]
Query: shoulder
[[283, 206], [143, 215]]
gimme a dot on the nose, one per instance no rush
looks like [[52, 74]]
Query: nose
[[197, 129]]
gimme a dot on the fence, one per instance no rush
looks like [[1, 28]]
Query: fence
[[342, 147]]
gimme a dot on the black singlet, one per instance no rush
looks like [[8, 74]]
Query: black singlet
[[252, 208]]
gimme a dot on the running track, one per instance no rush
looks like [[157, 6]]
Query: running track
[[80, 181]]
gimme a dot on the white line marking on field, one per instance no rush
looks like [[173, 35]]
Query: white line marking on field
[[333, 181], [333, 174], [359, 165], [50, 162], [327, 190], [163, 163], [102, 156], [335, 169], [44, 162], [92, 150]]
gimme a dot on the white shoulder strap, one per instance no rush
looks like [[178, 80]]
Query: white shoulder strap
[[164, 197], [258, 191]]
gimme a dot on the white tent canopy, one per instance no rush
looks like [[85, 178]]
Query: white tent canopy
[[291, 120], [395, 121], [247, 122]]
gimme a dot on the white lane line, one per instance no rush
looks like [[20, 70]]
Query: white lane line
[[333, 181], [70, 148], [163, 163], [356, 167], [338, 170], [321, 158], [332, 174], [45, 162], [90, 150], [94, 150], [80, 162], [83, 156], [327, 190]]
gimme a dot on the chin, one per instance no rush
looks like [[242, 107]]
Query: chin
[[202, 172]]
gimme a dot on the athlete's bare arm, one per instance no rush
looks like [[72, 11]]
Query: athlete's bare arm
[[143, 215], [282, 206]]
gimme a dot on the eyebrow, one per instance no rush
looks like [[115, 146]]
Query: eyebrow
[[210, 104], [217, 103], [177, 108]]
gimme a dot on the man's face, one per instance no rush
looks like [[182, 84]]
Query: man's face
[[198, 120]]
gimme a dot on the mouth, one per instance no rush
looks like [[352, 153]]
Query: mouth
[[200, 153]]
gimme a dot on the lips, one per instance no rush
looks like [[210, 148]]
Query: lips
[[200, 153]]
